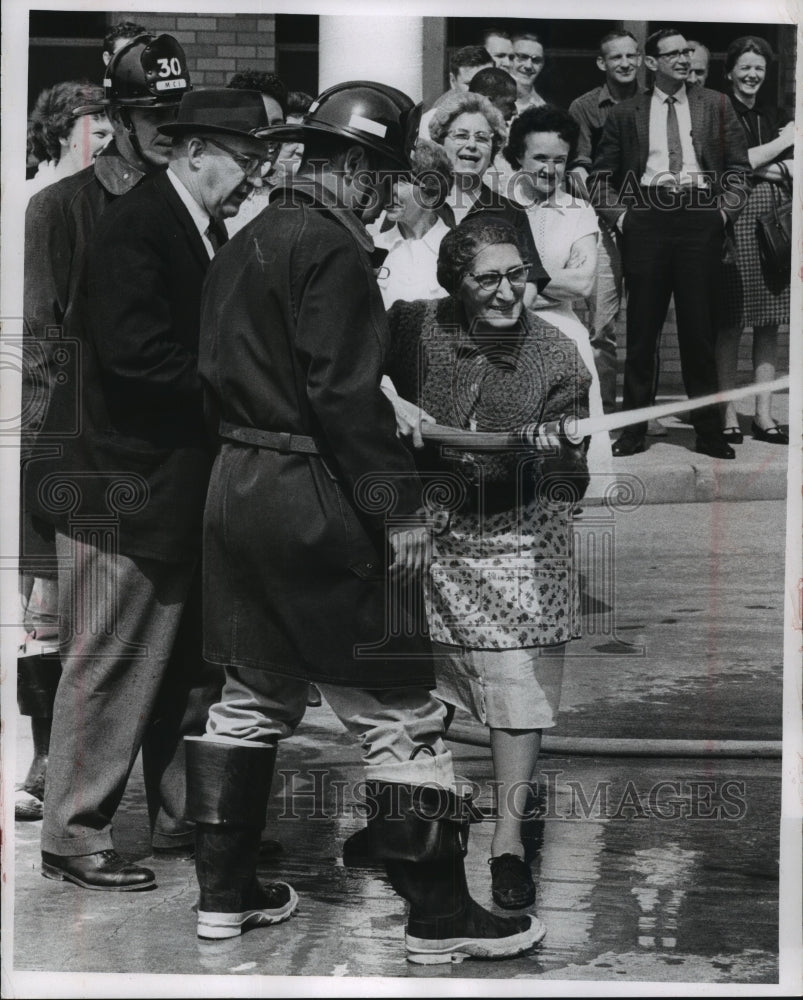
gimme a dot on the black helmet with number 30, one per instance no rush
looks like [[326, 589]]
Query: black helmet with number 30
[[374, 115], [149, 72]]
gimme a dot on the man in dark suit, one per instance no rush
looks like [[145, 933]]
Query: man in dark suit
[[671, 173], [127, 500]]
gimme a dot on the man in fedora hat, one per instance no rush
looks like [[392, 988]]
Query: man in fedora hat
[[129, 544], [297, 586]]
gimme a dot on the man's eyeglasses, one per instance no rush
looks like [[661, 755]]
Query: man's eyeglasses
[[675, 54], [250, 165], [489, 281], [480, 138]]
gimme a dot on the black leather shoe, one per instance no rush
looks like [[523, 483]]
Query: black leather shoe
[[358, 851], [628, 444], [777, 434], [716, 447], [733, 435], [104, 870]]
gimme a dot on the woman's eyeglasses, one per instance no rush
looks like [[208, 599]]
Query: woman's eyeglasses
[[480, 138], [489, 281]]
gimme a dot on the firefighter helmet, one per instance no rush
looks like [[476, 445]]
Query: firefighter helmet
[[374, 115], [149, 72]]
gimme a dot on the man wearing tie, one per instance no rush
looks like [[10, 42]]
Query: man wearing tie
[[128, 497], [671, 173]]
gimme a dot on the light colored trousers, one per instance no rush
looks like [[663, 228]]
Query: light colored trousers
[[257, 706]]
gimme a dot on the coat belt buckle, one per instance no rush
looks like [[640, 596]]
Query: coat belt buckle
[[284, 442]]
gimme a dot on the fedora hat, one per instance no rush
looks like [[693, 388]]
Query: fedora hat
[[219, 112]]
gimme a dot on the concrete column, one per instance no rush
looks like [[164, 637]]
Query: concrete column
[[639, 29], [386, 49]]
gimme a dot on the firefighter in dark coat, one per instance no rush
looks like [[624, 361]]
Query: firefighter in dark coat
[[143, 86], [309, 483]]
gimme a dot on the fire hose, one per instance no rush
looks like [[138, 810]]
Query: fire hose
[[573, 430]]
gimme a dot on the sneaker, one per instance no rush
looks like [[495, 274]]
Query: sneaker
[[512, 882], [268, 903], [474, 933]]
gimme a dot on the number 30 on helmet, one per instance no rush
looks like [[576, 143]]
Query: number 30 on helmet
[[149, 72]]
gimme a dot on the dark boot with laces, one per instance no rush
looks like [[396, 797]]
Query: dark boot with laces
[[227, 795], [232, 897]]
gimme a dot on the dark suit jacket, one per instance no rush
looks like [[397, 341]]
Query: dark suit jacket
[[141, 454], [719, 145]]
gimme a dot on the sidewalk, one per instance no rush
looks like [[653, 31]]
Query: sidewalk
[[671, 471]]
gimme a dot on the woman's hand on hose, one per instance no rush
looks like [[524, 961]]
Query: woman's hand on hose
[[412, 550], [409, 417]]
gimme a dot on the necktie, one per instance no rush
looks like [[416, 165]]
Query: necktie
[[217, 235], [673, 137]]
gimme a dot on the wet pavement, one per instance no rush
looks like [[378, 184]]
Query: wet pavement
[[649, 869]]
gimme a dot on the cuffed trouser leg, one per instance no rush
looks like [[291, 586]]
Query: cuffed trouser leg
[[119, 619], [189, 687], [390, 725]]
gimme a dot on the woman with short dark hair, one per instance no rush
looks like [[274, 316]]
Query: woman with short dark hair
[[565, 232], [753, 295], [67, 129]]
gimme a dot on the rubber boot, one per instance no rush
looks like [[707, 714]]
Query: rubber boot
[[421, 832], [37, 681], [227, 794], [358, 851]]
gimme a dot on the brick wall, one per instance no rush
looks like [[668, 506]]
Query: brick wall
[[216, 45]]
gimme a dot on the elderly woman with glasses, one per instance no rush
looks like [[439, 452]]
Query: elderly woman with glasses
[[565, 230], [502, 602]]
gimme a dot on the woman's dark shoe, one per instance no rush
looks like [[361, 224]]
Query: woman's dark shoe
[[777, 434], [512, 882], [733, 435], [27, 807], [628, 444], [103, 870]]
